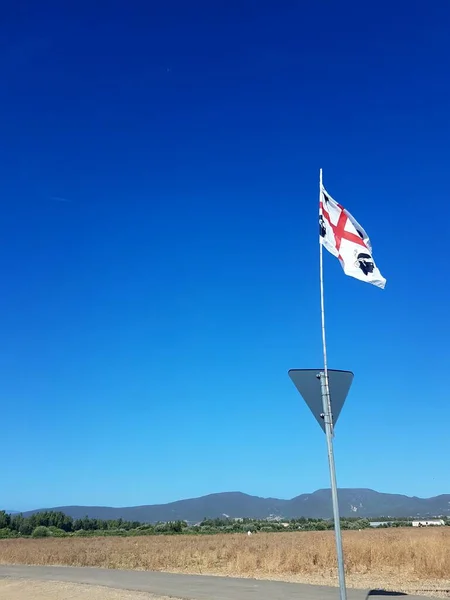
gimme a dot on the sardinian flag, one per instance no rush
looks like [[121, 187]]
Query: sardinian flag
[[344, 237]]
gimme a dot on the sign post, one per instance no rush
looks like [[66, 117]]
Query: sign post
[[314, 386]]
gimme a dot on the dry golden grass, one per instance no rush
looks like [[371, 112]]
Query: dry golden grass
[[403, 559]]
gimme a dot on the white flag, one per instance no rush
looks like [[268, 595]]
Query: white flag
[[344, 237]]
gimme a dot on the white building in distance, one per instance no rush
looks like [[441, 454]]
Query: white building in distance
[[428, 523]]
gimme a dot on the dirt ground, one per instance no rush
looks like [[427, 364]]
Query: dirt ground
[[13, 589]]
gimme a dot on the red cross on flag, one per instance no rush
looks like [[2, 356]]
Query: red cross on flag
[[344, 237]]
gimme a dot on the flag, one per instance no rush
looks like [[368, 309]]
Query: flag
[[343, 236]]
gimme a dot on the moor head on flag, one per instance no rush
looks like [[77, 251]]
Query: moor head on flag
[[344, 237]]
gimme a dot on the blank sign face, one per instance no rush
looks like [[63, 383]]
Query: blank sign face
[[308, 384]]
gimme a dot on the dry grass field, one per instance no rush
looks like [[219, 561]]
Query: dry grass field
[[400, 559]]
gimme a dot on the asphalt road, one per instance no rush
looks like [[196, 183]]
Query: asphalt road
[[192, 587]]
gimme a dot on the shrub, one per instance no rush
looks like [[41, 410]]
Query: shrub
[[41, 532], [5, 533], [80, 533], [56, 532]]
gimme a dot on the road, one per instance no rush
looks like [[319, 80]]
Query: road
[[190, 587]]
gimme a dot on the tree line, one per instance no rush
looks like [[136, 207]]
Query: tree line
[[25, 526], [58, 524]]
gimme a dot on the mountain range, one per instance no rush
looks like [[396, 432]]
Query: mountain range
[[352, 502]]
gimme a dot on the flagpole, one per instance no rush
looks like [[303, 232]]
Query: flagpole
[[328, 419], [322, 304]]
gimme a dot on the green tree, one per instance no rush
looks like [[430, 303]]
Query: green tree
[[25, 528], [16, 522], [5, 520], [175, 527], [67, 524], [78, 524]]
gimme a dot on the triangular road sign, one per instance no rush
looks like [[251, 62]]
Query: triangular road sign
[[308, 384]]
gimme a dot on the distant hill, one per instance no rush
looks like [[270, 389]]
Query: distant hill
[[352, 502]]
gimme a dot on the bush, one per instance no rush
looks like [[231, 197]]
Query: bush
[[41, 532], [6, 533], [142, 531], [80, 533], [56, 532], [113, 533]]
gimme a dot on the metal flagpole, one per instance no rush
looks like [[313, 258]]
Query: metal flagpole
[[328, 419]]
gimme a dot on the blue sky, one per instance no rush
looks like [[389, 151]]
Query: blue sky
[[159, 247]]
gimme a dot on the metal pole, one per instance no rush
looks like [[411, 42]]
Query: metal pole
[[328, 419], [322, 304], [337, 523]]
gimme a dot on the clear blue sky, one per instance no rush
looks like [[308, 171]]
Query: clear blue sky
[[159, 247]]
